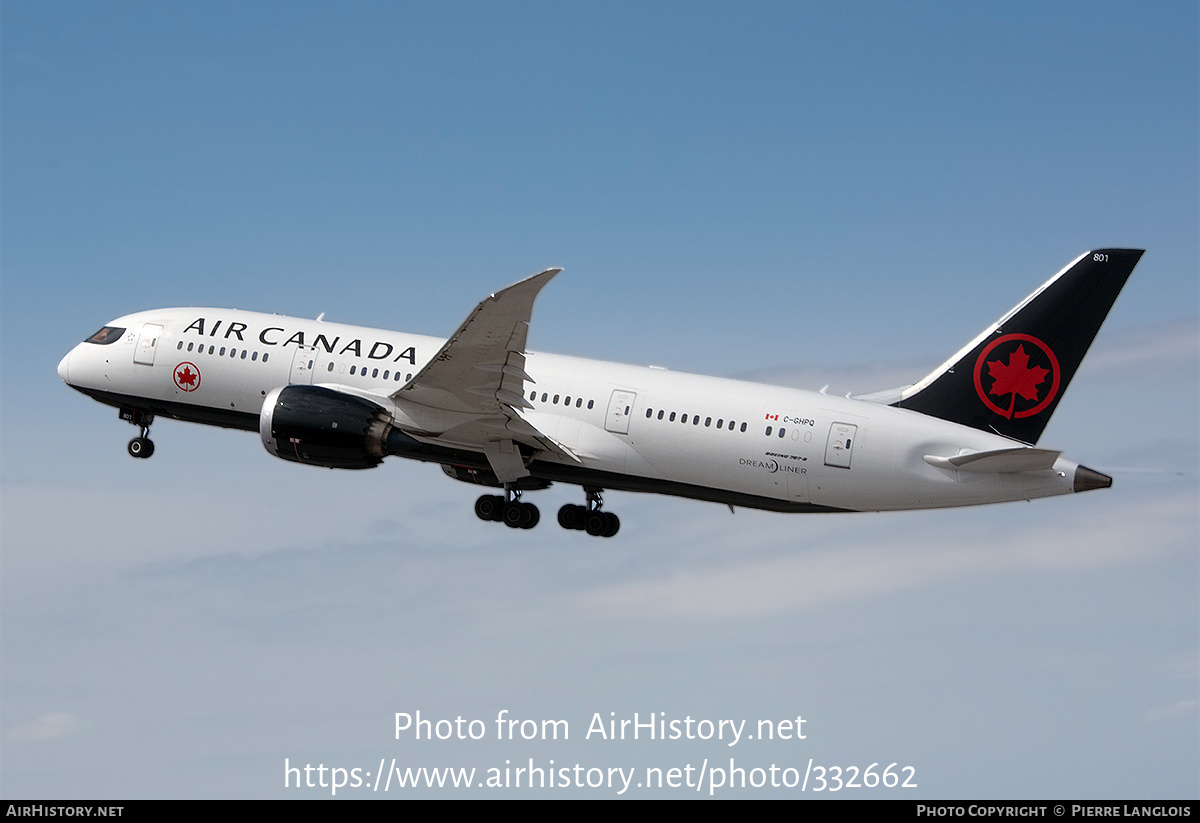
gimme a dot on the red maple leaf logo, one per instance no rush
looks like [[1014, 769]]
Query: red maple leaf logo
[[1016, 377], [187, 377]]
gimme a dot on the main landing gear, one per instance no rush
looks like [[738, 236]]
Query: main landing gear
[[142, 445], [509, 510], [589, 518]]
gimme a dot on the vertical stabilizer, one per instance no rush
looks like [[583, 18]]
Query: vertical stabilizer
[[1010, 378]]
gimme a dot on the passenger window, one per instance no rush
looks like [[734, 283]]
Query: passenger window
[[254, 357], [743, 426], [243, 354], [591, 403], [707, 422], [385, 373], [672, 417], [180, 346], [374, 372], [330, 366], [556, 399], [782, 431], [352, 368], [768, 431], [649, 413], [190, 346], [660, 414], [579, 402], [264, 354]]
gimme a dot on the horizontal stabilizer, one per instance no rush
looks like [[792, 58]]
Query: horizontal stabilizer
[[998, 461]]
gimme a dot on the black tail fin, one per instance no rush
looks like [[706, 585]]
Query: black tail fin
[[1010, 378]]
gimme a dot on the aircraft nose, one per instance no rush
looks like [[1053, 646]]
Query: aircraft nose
[[64, 368]]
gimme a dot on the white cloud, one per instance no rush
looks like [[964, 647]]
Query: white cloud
[[1179, 711], [52, 726], [865, 563]]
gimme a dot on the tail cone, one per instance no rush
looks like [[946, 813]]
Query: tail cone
[[1086, 480]]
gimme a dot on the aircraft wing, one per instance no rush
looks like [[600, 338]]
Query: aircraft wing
[[480, 373]]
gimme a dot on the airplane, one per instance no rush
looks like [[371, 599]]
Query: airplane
[[493, 413]]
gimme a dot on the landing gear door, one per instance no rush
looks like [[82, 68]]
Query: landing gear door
[[147, 343], [840, 446], [619, 408], [303, 363]]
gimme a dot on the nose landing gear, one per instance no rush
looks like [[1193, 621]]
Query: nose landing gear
[[140, 446]]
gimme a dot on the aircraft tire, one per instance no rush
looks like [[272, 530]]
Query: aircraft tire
[[572, 517], [533, 516], [514, 515], [613, 524], [141, 447], [488, 507], [596, 523]]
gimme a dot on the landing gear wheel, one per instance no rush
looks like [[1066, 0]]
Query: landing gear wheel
[[141, 447], [572, 517], [489, 507], [518, 515], [590, 518], [596, 523], [507, 509], [534, 516]]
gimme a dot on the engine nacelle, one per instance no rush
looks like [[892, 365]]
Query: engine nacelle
[[323, 427]]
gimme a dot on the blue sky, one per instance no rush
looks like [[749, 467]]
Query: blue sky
[[800, 192]]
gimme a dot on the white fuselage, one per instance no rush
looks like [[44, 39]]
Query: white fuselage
[[627, 427]]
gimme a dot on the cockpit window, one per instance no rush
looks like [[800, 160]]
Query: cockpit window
[[108, 334]]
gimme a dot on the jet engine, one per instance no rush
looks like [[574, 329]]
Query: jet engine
[[323, 427]]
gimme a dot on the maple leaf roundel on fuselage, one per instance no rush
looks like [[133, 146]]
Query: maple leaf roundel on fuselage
[[187, 377]]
